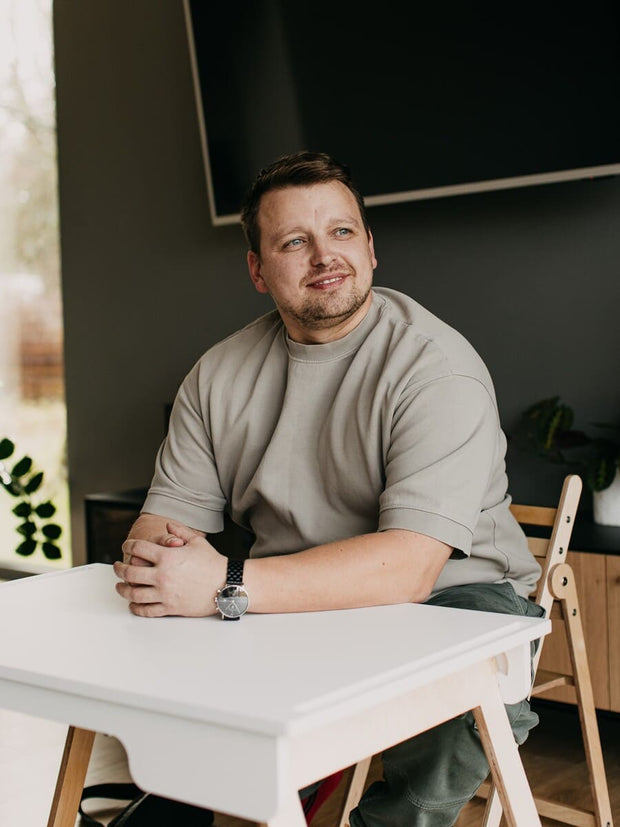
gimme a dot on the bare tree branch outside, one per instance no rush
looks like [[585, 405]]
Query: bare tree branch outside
[[32, 406]]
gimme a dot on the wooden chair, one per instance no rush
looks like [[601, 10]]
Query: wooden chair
[[557, 594]]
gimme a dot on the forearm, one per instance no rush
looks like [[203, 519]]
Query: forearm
[[394, 566], [159, 579]]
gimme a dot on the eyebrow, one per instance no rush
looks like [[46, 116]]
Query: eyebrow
[[332, 222]]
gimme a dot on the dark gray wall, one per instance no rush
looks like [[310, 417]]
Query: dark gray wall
[[529, 275]]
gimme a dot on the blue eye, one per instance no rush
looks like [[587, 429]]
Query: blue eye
[[343, 231], [294, 242]]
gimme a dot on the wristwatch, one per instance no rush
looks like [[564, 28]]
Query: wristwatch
[[232, 599]]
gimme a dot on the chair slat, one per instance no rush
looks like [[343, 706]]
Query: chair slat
[[538, 546], [546, 680], [534, 514]]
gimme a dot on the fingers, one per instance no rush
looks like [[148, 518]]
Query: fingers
[[137, 572], [138, 587], [145, 549], [149, 550], [134, 560], [148, 609], [175, 579], [180, 532], [173, 542], [136, 594]]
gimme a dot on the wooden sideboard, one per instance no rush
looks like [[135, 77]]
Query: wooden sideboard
[[595, 561]]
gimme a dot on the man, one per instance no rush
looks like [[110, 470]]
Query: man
[[357, 437]]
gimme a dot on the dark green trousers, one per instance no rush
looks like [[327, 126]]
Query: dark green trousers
[[428, 779]]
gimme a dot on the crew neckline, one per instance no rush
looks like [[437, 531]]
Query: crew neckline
[[340, 347]]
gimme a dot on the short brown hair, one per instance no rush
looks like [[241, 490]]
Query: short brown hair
[[297, 170]]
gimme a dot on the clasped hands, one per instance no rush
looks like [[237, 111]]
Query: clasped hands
[[175, 574]]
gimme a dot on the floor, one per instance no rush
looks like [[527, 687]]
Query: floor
[[30, 750]]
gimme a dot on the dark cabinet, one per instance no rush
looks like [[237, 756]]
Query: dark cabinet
[[109, 517]]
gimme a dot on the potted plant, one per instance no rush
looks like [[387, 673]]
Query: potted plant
[[546, 428], [23, 482]]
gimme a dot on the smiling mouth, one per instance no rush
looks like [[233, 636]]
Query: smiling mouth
[[323, 284]]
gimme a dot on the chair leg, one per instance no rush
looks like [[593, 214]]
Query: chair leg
[[563, 584], [493, 810], [71, 776], [356, 788]]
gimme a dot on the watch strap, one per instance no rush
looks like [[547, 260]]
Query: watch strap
[[234, 577], [234, 572]]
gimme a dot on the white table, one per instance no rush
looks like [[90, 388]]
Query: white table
[[239, 716]]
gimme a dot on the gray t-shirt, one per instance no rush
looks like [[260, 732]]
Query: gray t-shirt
[[393, 426]]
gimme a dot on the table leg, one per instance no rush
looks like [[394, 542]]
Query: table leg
[[505, 762], [71, 776]]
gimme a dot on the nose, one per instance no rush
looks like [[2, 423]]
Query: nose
[[321, 252]]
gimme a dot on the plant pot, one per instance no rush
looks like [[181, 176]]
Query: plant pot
[[606, 503]]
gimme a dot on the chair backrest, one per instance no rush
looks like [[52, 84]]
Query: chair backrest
[[552, 550], [557, 591]]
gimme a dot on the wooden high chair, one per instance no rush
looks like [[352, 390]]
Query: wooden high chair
[[557, 594]]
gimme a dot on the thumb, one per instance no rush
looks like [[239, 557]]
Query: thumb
[[179, 532]]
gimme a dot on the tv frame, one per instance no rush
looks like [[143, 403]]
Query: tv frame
[[410, 195]]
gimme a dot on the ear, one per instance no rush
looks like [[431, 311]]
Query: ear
[[254, 266], [371, 247]]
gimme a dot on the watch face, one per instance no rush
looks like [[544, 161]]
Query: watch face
[[232, 601]]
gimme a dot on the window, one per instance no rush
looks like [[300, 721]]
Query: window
[[32, 406]]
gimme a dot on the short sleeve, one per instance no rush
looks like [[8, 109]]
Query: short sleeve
[[443, 447], [185, 485]]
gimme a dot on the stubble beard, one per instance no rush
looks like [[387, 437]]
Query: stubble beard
[[326, 311]]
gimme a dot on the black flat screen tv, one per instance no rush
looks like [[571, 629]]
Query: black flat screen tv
[[420, 100]]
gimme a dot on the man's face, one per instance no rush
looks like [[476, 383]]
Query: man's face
[[316, 260]]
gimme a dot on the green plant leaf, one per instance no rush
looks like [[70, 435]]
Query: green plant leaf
[[22, 467], [52, 531], [601, 475], [6, 448], [27, 529], [22, 510], [51, 551], [546, 429], [21, 483], [12, 487], [45, 510], [34, 483], [26, 548], [601, 465]]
